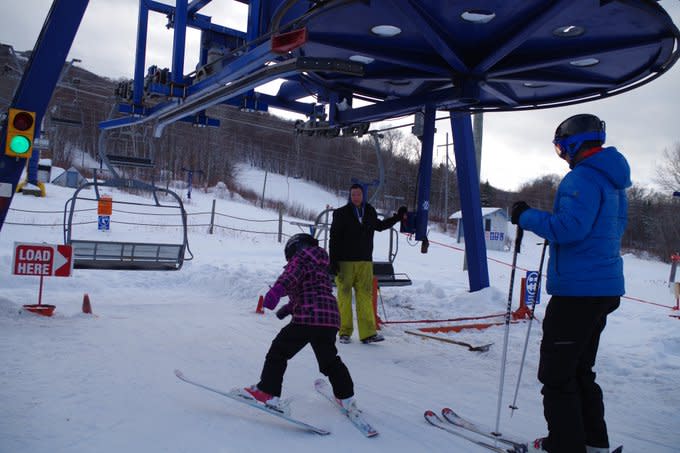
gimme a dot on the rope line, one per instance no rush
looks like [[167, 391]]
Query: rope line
[[441, 244], [635, 299]]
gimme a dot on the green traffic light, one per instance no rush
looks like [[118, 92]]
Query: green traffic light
[[19, 144]]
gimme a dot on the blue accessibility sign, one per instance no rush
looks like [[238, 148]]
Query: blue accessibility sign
[[104, 222], [532, 296]]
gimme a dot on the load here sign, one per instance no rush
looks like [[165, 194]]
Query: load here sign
[[44, 260]]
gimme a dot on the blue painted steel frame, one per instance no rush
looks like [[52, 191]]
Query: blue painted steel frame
[[179, 42], [425, 173], [468, 185], [39, 80]]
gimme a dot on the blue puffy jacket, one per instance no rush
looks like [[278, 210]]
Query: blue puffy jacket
[[585, 228]]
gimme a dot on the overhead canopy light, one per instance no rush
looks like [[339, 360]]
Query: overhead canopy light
[[534, 84], [362, 59], [386, 31], [569, 31], [584, 62], [478, 16]]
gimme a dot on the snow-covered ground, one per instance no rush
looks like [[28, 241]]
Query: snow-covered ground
[[105, 383]]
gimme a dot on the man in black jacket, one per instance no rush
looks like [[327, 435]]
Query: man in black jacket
[[351, 254]]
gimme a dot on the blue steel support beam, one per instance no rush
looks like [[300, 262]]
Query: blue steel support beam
[[179, 42], [425, 172], [238, 68], [468, 184], [380, 52], [401, 106], [198, 21], [431, 31], [140, 56], [524, 32], [254, 16], [38, 82], [196, 6], [303, 108]]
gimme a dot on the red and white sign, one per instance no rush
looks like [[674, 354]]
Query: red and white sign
[[45, 260]]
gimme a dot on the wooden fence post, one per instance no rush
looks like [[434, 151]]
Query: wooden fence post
[[212, 217]]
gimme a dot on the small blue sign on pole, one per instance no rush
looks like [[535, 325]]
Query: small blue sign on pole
[[531, 294], [104, 222]]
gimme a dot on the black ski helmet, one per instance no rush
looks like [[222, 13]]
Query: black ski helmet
[[299, 242], [576, 130]]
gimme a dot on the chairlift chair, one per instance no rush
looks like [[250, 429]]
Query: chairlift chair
[[89, 253], [384, 270], [113, 157], [67, 115]]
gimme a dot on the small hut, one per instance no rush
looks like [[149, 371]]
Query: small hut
[[495, 227]]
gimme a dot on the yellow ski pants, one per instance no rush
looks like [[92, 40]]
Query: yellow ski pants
[[357, 275]]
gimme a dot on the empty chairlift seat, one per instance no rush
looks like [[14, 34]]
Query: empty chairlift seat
[[384, 272], [127, 256]]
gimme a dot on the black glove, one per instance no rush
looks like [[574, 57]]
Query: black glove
[[283, 311], [333, 268], [517, 209], [401, 212]]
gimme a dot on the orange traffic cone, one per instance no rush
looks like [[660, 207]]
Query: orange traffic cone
[[523, 311], [260, 308], [87, 308]]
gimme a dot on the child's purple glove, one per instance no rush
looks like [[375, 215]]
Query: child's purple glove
[[271, 299]]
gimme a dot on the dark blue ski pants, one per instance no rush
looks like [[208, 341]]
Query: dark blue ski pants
[[572, 400]]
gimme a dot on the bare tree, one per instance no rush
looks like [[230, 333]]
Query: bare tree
[[668, 174]]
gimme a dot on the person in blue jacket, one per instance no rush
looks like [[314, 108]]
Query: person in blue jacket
[[585, 281]]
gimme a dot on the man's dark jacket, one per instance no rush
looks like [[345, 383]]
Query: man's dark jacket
[[352, 240]]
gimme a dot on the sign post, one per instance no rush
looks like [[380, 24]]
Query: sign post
[[43, 260], [531, 295], [104, 211]]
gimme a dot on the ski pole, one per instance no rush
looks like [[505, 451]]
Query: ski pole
[[508, 313], [513, 406]]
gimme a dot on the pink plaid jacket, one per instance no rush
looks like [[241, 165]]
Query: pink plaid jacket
[[308, 285]]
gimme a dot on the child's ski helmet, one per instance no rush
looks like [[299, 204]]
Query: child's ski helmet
[[299, 242]]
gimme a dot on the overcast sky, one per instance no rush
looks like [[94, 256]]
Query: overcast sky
[[516, 147]]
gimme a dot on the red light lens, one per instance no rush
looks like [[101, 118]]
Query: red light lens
[[22, 121]]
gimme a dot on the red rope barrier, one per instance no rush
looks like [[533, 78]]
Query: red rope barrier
[[635, 299]]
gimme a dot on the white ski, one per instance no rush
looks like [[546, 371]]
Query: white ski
[[252, 403], [434, 420], [455, 419], [355, 417]]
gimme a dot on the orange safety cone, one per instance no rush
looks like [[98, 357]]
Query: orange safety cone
[[378, 321], [523, 311], [87, 308], [260, 308]]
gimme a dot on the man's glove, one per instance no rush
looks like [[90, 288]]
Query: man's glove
[[271, 299], [333, 268], [401, 213], [283, 311], [517, 209]]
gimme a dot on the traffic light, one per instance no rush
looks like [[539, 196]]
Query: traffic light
[[20, 133]]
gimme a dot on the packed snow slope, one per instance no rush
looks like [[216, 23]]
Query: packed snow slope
[[104, 383]]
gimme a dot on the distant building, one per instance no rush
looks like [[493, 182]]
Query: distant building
[[70, 178], [495, 227]]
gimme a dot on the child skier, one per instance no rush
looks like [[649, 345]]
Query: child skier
[[315, 320]]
